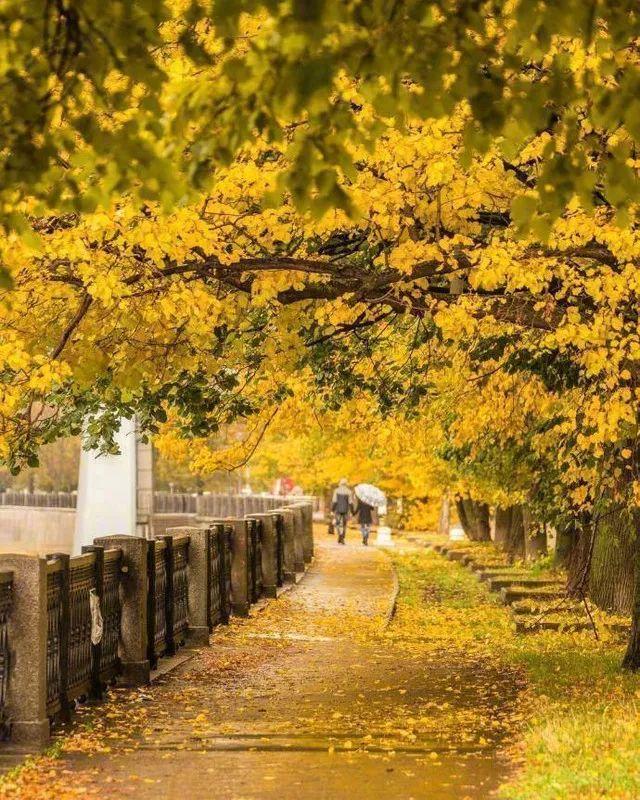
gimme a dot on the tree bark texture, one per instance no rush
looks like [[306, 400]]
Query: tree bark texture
[[614, 562]]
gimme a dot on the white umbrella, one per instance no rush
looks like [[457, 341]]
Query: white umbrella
[[370, 495]]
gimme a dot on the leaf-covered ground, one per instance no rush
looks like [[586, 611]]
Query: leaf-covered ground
[[313, 697], [316, 696], [579, 713]]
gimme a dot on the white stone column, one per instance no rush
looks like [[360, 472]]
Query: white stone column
[[144, 487], [108, 491]]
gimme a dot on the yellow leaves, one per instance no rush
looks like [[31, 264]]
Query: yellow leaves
[[407, 255], [105, 287], [455, 321], [47, 376]]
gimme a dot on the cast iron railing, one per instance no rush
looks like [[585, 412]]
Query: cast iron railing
[[111, 615], [180, 588], [219, 574], [157, 595], [255, 558], [76, 667], [56, 633], [82, 581]]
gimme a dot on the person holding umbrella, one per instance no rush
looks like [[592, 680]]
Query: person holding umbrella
[[368, 497]]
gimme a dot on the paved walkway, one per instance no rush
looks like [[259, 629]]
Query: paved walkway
[[306, 700]]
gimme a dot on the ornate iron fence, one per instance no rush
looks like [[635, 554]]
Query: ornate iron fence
[[251, 559], [82, 581], [219, 574], [157, 596], [279, 522], [215, 569], [180, 588], [255, 558], [76, 668], [56, 633], [111, 615]]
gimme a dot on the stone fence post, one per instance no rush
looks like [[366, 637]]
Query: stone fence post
[[198, 572], [269, 554], [289, 543], [26, 699], [298, 521], [240, 588], [307, 530], [134, 657]]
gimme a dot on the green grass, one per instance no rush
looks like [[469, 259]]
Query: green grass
[[579, 737]]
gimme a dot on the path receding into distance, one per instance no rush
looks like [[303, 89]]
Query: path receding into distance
[[307, 699]]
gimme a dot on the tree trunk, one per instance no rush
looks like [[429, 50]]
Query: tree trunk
[[613, 564], [503, 523], [631, 658], [445, 514], [483, 527], [535, 536], [462, 515], [566, 538], [579, 555], [472, 520], [514, 542]]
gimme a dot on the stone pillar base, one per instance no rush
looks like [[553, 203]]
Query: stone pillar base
[[28, 736], [198, 635], [135, 673]]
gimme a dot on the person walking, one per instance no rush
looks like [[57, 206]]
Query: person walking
[[364, 513], [341, 504]]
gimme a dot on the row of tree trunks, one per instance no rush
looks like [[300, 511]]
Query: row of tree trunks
[[518, 534], [602, 556]]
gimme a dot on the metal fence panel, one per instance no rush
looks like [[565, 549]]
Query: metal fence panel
[[180, 588], [82, 580], [111, 615], [55, 634]]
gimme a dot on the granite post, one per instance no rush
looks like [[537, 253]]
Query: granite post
[[240, 588], [269, 554], [198, 573], [134, 657], [289, 543], [298, 521], [307, 530], [240, 584], [26, 700]]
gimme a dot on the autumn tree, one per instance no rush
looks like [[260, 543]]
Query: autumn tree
[[431, 208]]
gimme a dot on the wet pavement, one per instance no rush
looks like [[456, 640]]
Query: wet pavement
[[312, 697]]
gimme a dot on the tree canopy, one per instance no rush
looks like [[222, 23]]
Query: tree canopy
[[153, 97], [420, 216]]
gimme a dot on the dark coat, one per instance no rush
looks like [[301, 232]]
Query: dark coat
[[341, 500], [364, 513]]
